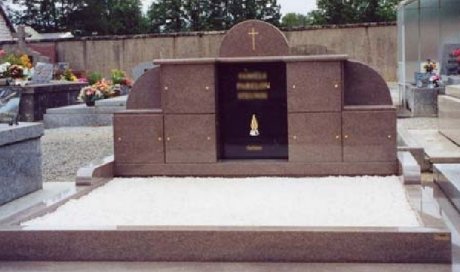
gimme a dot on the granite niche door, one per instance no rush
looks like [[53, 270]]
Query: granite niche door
[[252, 110]]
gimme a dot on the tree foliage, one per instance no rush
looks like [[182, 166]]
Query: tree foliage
[[292, 20], [105, 17], [82, 16], [353, 11], [200, 15]]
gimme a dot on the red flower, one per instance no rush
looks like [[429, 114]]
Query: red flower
[[456, 52]]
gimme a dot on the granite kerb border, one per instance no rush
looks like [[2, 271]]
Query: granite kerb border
[[223, 243]]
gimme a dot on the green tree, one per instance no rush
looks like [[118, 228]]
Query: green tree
[[353, 11], [82, 16], [167, 16], [199, 15], [292, 20], [45, 15], [109, 17]]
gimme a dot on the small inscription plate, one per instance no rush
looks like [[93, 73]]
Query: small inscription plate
[[43, 73], [253, 110]]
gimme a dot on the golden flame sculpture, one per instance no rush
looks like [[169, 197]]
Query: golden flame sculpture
[[254, 126]]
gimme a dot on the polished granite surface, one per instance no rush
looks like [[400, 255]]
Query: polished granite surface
[[427, 199]]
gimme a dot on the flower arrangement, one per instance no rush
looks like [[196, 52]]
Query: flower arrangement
[[68, 75], [429, 66], [103, 87], [90, 94], [434, 80], [15, 71], [456, 55], [14, 66], [119, 77], [100, 90]]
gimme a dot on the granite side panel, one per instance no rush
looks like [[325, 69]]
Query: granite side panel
[[315, 137], [138, 138], [254, 169], [146, 92], [364, 86], [190, 138], [188, 88], [369, 136], [226, 245], [449, 117], [20, 169], [314, 86], [447, 176]]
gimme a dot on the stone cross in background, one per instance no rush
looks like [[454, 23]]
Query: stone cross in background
[[22, 47]]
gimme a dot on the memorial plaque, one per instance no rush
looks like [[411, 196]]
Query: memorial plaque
[[253, 110], [43, 73]]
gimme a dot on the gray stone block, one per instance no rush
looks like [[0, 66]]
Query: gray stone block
[[449, 117], [77, 120], [447, 176], [452, 80], [119, 101], [20, 161], [453, 90], [82, 115], [22, 132], [410, 169], [423, 101]]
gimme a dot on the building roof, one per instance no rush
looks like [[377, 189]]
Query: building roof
[[32, 34], [6, 27]]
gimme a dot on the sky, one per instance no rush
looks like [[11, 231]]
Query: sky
[[287, 6]]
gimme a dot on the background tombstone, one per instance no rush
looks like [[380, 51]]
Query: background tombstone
[[450, 66], [43, 73], [141, 68]]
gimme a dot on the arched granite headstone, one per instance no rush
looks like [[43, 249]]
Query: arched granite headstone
[[254, 38], [364, 86], [146, 91]]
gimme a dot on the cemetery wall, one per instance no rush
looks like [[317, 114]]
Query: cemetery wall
[[374, 44]]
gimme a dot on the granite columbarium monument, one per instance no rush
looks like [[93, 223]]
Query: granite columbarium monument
[[256, 110], [252, 111]]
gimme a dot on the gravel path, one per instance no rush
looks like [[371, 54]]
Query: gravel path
[[65, 150]]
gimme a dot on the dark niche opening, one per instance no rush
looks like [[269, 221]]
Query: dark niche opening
[[252, 110]]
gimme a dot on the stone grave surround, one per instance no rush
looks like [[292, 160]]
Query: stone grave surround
[[255, 110]]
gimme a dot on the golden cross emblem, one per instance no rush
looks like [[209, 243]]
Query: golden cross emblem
[[253, 33]]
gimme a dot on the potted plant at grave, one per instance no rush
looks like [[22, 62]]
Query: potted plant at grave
[[89, 95], [429, 66], [105, 87], [121, 83], [68, 75], [434, 81], [456, 55]]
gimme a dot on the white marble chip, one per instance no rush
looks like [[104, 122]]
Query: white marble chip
[[160, 201]]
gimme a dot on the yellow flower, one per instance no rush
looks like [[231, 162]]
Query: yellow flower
[[25, 60]]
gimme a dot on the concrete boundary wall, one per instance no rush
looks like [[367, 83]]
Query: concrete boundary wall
[[373, 44]]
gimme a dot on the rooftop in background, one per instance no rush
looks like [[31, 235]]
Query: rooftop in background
[[6, 27], [34, 35]]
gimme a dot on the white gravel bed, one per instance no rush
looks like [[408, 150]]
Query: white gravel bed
[[332, 201], [65, 150]]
